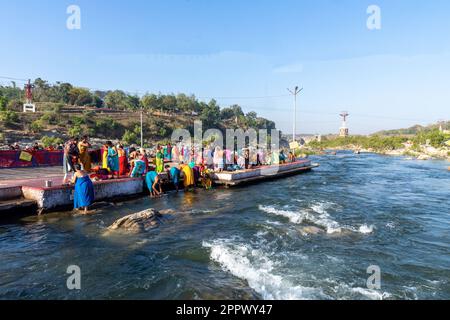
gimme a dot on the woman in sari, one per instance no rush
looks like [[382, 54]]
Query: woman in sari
[[113, 159], [85, 158], [218, 159], [123, 161], [84, 190], [68, 164], [175, 153], [159, 161], [169, 152], [105, 156], [188, 176]]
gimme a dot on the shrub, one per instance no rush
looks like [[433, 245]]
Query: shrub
[[50, 117], [51, 141], [9, 117], [130, 137], [36, 126], [75, 131]]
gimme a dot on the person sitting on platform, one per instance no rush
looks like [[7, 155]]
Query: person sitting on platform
[[84, 189], [291, 157]]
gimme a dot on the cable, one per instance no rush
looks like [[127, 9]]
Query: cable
[[13, 79]]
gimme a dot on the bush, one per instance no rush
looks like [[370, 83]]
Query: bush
[[50, 118], [75, 131], [36, 126], [9, 117], [51, 141], [130, 137]]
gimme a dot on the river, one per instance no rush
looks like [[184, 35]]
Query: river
[[310, 236]]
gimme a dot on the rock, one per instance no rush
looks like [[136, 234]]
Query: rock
[[423, 157], [138, 222], [312, 230]]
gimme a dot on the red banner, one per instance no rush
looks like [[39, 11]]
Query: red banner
[[44, 158]]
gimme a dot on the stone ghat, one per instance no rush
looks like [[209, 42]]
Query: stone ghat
[[62, 196]]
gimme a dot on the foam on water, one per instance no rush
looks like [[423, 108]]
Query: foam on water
[[317, 215], [255, 267]]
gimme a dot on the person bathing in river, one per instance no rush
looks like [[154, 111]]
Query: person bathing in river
[[84, 189], [174, 175], [153, 181], [85, 158], [188, 176]]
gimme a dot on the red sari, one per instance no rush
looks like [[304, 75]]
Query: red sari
[[123, 162]]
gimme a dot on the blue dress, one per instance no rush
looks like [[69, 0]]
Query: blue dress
[[175, 175], [150, 179], [84, 192], [113, 160], [138, 170]]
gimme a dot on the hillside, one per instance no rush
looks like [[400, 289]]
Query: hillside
[[413, 130], [64, 111]]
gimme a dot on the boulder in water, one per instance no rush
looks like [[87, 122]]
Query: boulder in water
[[424, 157], [311, 230], [138, 222]]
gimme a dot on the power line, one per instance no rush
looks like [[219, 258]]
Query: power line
[[13, 79]]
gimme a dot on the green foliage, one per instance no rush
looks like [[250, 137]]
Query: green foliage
[[76, 131], [130, 137], [210, 115], [436, 138], [80, 97], [78, 121], [9, 117], [36, 126], [372, 142], [51, 141], [119, 100], [50, 117]]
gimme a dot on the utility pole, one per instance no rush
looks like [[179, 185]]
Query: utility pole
[[295, 93], [142, 127]]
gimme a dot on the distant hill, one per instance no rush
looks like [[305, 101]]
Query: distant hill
[[413, 130]]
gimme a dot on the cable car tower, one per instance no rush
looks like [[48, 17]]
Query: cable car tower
[[29, 105], [343, 131]]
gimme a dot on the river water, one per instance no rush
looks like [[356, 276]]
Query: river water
[[311, 236]]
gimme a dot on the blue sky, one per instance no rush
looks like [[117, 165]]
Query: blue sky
[[249, 51]]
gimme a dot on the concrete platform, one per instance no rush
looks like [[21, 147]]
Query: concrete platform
[[62, 196], [264, 173]]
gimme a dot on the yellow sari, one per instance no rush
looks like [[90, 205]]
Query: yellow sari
[[188, 176], [105, 158]]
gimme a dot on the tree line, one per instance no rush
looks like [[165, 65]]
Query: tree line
[[65, 93]]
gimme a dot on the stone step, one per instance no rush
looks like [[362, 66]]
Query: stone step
[[15, 208]]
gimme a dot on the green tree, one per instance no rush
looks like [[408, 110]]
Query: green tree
[[80, 97], [210, 115], [117, 100]]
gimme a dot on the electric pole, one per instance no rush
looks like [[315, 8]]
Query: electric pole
[[295, 93]]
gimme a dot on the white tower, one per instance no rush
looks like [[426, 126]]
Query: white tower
[[343, 132]]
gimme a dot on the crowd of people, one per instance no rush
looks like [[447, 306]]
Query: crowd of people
[[34, 147], [163, 167]]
